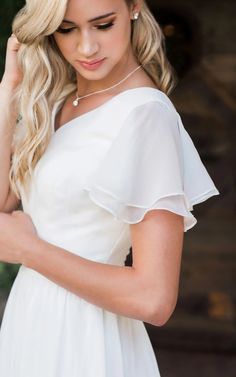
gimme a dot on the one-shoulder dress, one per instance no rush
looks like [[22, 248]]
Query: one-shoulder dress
[[101, 172]]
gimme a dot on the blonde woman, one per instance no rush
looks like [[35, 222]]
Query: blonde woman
[[101, 162]]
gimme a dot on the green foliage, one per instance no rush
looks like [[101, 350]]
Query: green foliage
[[8, 10], [8, 273]]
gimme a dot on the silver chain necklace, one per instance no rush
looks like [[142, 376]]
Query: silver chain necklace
[[76, 101]]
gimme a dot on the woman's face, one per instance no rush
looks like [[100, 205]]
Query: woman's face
[[98, 32]]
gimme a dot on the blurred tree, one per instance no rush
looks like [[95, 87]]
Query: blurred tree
[[8, 10], [7, 275]]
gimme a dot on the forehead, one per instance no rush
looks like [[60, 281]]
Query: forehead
[[88, 9]]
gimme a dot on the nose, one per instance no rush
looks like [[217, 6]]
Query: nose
[[87, 46]]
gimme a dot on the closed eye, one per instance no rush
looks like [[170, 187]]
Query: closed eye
[[105, 26], [65, 30], [99, 27]]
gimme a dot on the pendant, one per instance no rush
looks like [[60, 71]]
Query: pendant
[[76, 102]]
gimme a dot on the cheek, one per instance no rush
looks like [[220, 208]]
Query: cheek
[[63, 44], [120, 38]]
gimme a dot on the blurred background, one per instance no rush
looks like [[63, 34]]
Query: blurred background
[[200, 338]]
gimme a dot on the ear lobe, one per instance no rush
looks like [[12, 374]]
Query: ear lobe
[[135, 16], [136, 10]]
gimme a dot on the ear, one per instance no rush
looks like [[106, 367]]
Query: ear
[[135, 9]]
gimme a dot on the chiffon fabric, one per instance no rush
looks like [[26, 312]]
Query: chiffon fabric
[[101, 172]]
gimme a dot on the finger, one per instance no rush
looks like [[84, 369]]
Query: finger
[[12, 36], [16, 212], [21, 213], [13, 39]]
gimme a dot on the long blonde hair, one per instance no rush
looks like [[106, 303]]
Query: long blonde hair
[[48, 79]]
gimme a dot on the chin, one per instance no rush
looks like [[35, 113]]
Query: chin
[[98, 74]]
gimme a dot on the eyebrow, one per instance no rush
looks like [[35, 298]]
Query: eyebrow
[[93, 19]]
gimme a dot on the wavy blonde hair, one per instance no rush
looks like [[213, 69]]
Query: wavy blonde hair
[[48, 79]]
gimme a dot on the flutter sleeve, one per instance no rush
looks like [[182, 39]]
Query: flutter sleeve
[[151, 164]]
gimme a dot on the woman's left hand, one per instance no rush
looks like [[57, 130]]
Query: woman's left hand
[[17, 232]]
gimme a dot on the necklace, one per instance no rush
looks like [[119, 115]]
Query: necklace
[[76, 101]]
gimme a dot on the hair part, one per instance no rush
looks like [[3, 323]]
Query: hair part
[[48, 78]]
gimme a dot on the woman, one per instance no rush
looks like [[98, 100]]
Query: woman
[[101, 162]]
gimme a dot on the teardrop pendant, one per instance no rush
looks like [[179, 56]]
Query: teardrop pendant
[[76, 102]]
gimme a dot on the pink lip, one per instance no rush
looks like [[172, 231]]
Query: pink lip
[[94, 64]]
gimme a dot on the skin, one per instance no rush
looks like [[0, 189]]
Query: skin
[[148, 290], [87, 42], [8, 113]]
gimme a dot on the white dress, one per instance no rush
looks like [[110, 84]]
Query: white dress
[[101, 172]]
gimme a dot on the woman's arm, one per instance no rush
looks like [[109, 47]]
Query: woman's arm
[[7, 125], [8, 114], [146, 291]]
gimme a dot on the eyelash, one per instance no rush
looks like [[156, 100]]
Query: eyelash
[[99, 27]]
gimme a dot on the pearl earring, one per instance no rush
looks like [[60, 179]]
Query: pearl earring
[[136, 16]]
